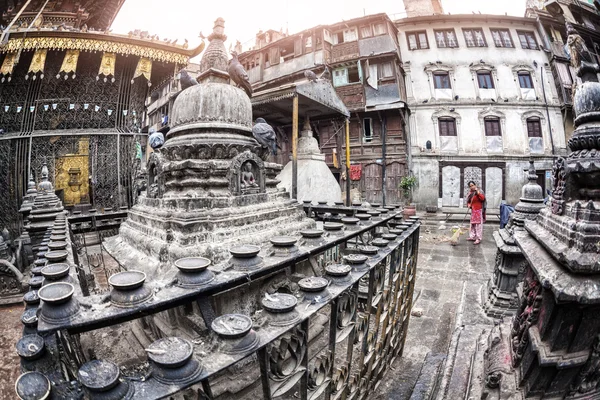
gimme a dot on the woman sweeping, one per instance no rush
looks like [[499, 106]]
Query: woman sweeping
[[475, 202]]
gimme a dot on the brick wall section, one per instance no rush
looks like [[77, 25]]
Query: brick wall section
[[344, 51], [418, 8], [352, 95]]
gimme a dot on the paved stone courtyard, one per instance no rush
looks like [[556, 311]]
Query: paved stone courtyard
[[446, 315]]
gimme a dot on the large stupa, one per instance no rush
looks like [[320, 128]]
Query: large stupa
[[210, 186]]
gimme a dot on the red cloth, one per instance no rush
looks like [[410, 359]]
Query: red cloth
[[355, 172], [475, 201], [476, 217]]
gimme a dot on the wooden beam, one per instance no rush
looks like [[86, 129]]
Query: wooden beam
[[295, 148]]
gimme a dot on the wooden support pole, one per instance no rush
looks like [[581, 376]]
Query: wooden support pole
[[348, 203], [295, 148]]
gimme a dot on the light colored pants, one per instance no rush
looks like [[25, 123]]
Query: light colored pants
[[476, 231]]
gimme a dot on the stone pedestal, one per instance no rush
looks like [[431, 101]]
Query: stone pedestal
[[209, 186], [502, 288], [510, 264], [46, 206], [315, 180]]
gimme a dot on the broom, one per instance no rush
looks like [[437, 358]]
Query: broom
[[458, 232]]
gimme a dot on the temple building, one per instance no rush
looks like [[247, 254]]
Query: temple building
[[73, 96]]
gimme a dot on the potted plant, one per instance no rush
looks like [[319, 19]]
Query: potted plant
[[407, 183]]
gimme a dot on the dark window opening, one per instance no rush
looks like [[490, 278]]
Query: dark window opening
[[534, 128], [485, 80], [353, 76], [368, 129], [441, 80], [525, 80], [492, 127], [447, 126]]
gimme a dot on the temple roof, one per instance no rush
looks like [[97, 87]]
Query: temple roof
[[96, 14], [318, 100]]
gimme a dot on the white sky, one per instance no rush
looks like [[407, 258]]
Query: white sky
[[243, 19]]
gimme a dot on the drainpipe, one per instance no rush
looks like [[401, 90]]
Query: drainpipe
[[347, 136], [383, 123], [547, 111]]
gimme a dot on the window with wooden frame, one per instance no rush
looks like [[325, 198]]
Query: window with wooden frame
[[447, 126], [385, 70], [534, 133], [534, 128], [525, 81], [502, 38], [366, 31], [474, 37], [492, 126], [345, 76], [417, 40], [379, 29], [528, 40], [441, 80], [445, 38], [485, 80], [347, 35]]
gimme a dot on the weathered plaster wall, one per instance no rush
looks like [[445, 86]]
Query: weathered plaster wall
[[506, 101]]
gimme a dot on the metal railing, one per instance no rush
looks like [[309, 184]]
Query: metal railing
[[359, 276]]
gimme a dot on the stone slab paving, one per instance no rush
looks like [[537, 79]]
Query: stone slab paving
[[11, 327], [449, 302], [448, 286]]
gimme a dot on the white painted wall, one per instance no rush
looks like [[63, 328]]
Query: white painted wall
[[473, 104]]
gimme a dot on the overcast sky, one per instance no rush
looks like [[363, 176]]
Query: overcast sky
[[243, 19]]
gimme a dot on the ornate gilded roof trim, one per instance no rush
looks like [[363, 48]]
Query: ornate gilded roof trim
[[63, 43]]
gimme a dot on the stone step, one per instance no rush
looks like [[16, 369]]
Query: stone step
[[428, 380], [471, 325]]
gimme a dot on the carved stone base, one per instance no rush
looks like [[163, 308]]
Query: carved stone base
[[555, 333], [572, 238], [501, 293], [160, 231], [499, 378]]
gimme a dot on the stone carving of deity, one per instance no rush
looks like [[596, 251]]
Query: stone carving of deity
[[247, 177]]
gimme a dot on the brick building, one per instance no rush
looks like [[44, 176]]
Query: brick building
[[363, 57]]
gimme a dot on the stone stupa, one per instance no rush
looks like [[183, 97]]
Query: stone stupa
[[209, 186], [315, 180]]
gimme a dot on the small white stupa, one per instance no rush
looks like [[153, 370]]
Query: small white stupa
[[315, 180]]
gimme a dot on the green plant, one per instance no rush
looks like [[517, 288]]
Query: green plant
[[407, 183]]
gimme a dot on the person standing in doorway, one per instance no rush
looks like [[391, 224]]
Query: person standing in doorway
[[475, 201]]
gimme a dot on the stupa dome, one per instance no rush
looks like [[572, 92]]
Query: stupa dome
[[209, 107]]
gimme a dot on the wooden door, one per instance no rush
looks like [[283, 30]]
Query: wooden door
[[394, 173], [371, 183]]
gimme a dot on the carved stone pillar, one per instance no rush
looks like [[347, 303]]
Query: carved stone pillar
[[555, 333], [510, 263]]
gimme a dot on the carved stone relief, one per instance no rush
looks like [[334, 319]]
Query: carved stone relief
[[246, 174]]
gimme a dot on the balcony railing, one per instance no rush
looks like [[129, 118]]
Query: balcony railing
[[332, 332]]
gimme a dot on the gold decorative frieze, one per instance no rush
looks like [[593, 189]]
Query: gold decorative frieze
[[107, 65], [63, 43], [9, 64], [144, 68], [69, 63], [38, 62]]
